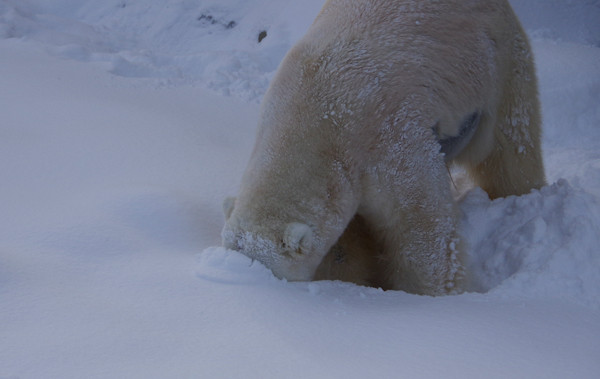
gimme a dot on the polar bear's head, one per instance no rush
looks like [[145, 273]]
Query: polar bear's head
[[300, 188], [291, 250]]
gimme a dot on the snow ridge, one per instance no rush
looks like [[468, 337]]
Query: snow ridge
[[543, 244]]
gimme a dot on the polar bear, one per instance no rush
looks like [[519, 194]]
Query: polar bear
[[362, 119]]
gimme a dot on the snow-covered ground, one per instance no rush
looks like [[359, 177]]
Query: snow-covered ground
[[117, 147]]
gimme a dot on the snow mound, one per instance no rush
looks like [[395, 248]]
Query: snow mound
[[543, 244]]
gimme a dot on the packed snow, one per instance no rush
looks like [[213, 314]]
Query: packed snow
[[125, 124]]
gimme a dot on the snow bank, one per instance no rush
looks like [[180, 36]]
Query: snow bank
[[210, 42], [540, 245]]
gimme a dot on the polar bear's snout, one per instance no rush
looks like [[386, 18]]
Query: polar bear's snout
[[288, 253]]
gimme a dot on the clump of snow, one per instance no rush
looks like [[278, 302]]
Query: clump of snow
[[540, 245], [217, 264], [116, 156]]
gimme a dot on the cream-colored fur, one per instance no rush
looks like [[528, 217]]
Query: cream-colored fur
[[354, 258], [351, 126]]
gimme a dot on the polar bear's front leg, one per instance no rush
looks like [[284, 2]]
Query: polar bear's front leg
[[416, 225], [422, 253]]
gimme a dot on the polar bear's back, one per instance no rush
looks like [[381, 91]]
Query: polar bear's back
[[390, 50]]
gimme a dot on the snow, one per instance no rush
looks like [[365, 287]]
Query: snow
[[118, 147]]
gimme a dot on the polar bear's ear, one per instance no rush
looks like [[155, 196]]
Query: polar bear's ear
[[297, 237], [228, 205]]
